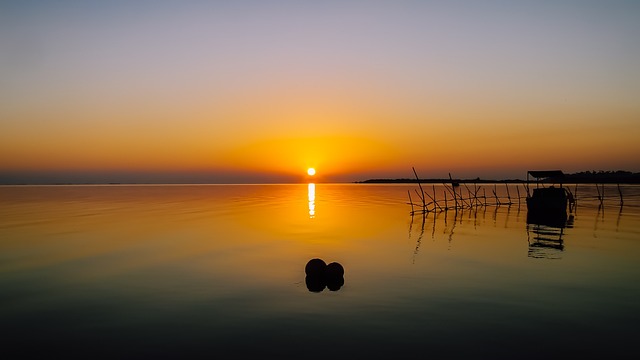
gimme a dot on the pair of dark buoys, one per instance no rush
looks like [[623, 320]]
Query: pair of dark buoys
[[321, 275]]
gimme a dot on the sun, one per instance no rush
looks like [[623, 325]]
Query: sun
[[311, 171]]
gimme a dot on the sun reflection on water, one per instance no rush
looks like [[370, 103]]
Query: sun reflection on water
[[311, 192]]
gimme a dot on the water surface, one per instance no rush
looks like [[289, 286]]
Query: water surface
[[188, 271]]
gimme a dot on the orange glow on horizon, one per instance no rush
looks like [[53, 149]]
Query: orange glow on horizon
[[355, 100], [334, 154]]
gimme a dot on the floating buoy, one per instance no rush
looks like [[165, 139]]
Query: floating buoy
[[315, 267], [334, 270], [321, 276]]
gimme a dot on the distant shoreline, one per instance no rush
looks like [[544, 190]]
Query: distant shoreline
[[587, 177], [436, 181], [485, 181]]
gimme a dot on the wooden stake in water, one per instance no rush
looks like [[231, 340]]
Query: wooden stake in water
[[424, 204], [435, 202], [410, 201], [600, 195], [446, 205], [620, 192], [455, 198], [508, 195]]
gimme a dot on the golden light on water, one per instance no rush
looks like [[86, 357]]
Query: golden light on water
[[311, 192], [311, 171]]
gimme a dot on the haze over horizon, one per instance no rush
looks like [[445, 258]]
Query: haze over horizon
[[257, 92]]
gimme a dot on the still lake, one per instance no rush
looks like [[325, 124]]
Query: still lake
[[204, 271]]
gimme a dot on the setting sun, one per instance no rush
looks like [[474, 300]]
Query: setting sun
[[311, 171]]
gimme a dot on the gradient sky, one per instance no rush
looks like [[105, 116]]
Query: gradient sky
[[257, 91]]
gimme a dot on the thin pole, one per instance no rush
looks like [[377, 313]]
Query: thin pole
[[620, 192], [424, 204]]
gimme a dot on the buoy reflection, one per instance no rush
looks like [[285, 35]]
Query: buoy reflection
[[312, 200]]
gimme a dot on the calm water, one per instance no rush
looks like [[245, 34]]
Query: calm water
[[218, 270]]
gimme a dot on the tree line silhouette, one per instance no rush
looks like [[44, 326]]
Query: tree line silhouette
[[583, 177]]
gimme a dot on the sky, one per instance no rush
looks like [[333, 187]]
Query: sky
[[259, 91]]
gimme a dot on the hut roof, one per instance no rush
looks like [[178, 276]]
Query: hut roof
[[545, 173]]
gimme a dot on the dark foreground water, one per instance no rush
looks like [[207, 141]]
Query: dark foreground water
[[218, 271]]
